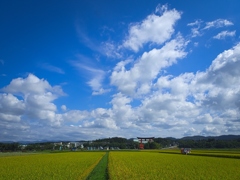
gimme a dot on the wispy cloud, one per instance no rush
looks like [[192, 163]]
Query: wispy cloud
[[107, 48], [111, 50], [1, 61], [96, 76], [83, 37], [218, 23], [224, 34], [198, 28], [52, 68], [195, 23], [196, 31]]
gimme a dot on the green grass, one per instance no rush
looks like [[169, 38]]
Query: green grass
[[100, 171]]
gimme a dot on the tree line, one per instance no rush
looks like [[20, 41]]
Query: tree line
[[123, 143]]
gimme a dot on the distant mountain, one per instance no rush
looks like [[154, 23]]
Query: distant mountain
[[223, 137], [172, 138], [194, 138], [228, 137]]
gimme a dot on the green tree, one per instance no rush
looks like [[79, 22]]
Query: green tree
[[154, 145]]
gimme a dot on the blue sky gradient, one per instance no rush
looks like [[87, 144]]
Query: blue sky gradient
[[81, 70]]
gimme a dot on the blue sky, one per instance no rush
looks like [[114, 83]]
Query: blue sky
[[82, 70]]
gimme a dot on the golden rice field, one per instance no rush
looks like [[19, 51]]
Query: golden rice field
[[155, 165], [126, 165], [49, 166]]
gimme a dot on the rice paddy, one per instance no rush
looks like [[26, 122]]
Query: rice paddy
[[148, 165], [49, 166], [161, 164]]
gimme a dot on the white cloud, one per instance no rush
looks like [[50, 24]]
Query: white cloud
[[101, 118], [138, 79], [123, 113], [218, 23], [198, 30], [101, 91], [41, 107], [224, 34], [210, 131], [9, 104], [64, 107], [31, 84], [204, 119], [161, 8], [9, 117], [190, 132], [111, 50], [37, 100], [75, 115], [195, 28], [195, 23], [153, 29]]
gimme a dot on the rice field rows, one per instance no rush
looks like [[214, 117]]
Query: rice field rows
[[49, 166], [155, 165], [117, 165]]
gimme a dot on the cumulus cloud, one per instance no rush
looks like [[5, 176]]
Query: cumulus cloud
[[190, 132], [224, 34], [208, 97], [154, 29], [9, 104], [31, 85], [204, 119], [74, 115], [101, 118], [138, 79], [35, 103], [64, 107], [210, 131], [216, 91], [217, 87]]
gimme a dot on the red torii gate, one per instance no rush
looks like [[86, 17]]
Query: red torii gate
[[141, 139]]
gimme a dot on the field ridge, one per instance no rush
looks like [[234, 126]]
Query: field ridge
[[100, 172]]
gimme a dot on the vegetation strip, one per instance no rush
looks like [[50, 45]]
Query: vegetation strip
[[100, 172]]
